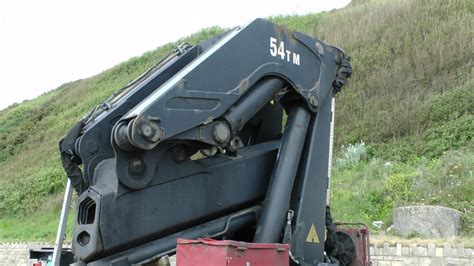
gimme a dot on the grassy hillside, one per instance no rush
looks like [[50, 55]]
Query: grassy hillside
[[406, 120]]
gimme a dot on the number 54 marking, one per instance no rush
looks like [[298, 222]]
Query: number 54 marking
[[278, 49]]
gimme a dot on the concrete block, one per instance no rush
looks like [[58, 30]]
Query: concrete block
[[399, 249], [451, 261], [465, 262], [454, 252], [405, 251], [461, 250], [413, 249], [437, 261], [427, 221], [386, 249], [470, 252], [431, 249], [410, 261], [439, 252], [421, 251], [376, 251], [425, 261], [393, 251], [447, 249]]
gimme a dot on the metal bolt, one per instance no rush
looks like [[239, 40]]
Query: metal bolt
[[137, 166], [209, 152], [147, 130], [313, 101], [221, 133]]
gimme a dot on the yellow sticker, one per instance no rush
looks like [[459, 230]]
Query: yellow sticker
[[312, 235]]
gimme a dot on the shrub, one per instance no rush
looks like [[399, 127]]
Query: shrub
[[352, 155]]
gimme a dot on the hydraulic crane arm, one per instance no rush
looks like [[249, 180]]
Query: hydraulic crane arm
[[194, 147]]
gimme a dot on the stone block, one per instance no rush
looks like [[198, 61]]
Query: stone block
[[413, 249], [427, 221], [399, 250], [469, 252], [447, 249], [424, 261], [410, 261], [393, 251], [437, 261], [421, 251], [405, 251], [439, 252], [431, 250], [451, 261], [386, 249], [380, 251], [454, 252], [461, 250], [465, 262]]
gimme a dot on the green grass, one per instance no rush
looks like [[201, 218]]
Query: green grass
[[40, 226], [376, 186], [410, 100]]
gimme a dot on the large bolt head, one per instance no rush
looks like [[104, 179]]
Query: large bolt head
[[147, 130], [137, 166], [221, 133]]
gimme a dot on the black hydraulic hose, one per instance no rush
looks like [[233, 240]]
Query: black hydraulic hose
[[279, 190]]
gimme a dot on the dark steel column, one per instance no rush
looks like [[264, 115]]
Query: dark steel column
[[279, 190], [254, 100]]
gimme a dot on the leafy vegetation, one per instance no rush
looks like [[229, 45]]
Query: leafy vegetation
[[375, 186], [410, 101]]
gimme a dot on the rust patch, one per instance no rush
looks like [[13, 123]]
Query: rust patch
[[243, 86]]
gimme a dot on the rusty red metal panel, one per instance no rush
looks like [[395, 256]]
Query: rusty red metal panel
[[359, 233], [212, 252]]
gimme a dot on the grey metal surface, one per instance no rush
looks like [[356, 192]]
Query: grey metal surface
[[145, 180], [58, 243], [279, 190]]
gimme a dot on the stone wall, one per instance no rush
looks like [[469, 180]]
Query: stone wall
[[16, 254], [12, 254], [413, 254]]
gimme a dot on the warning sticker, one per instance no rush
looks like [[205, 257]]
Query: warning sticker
[[312, 235]]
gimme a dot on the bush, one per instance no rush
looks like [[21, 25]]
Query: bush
[[352, 155]]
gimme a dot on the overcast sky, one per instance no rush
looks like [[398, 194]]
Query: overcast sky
[[45, 43]]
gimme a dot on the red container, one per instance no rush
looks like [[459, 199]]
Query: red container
[[359, 233], [210, 252]]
